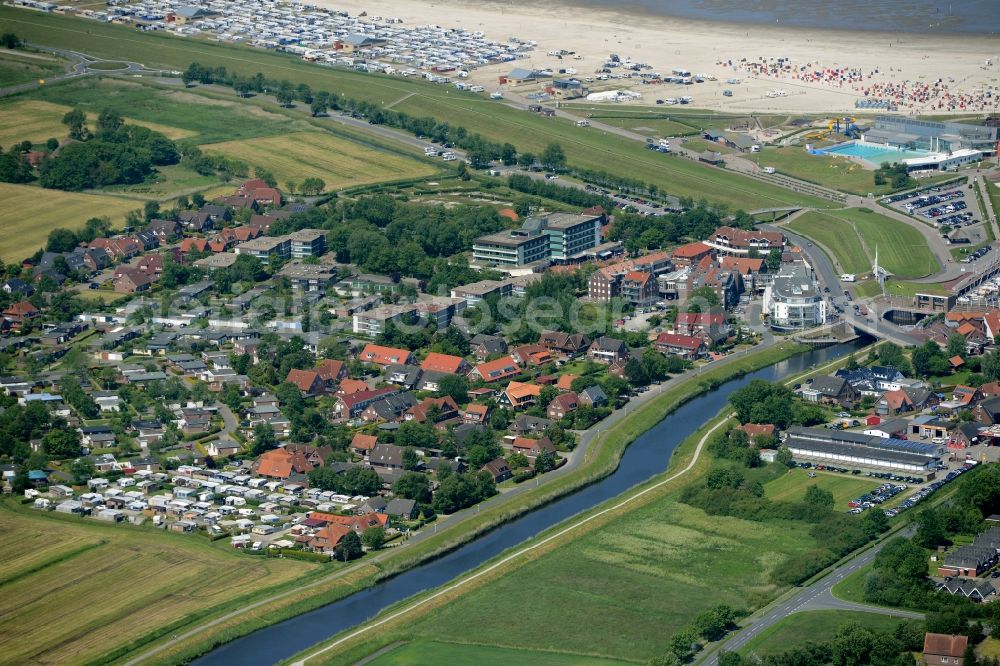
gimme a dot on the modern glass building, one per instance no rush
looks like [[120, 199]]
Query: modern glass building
[[930, 135]]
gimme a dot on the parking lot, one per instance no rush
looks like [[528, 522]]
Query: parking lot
[[952, 205]]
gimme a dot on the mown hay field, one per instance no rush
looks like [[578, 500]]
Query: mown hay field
[[30, 213], [340, 163], [103, 586], [36, 120]]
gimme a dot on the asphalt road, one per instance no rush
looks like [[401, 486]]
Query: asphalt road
[[818, 596]]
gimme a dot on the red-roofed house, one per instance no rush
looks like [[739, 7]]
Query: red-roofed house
[[755, 429], [282, 464], [363, 444], [707, 324], [380, 355], [740, 241], [349, 386], [639, 288], [131, 280], [194, 245], [991, 324], [532, 448], [475, 413], [691, 254], [941, 649], [308, 381], [20, 312], [893, 403], [331, 370], [685, 346], [422, 412], [561, 405], [326, 539], [454, 365], [349, 406], [521, 395], [493, 371]]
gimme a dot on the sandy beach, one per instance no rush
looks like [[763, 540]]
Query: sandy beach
[[822, 71]]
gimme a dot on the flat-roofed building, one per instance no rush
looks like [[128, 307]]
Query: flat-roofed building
[[307, 243], [570, 235], [854, 448], [309, 277], [511, 248], [266, 247], [935, 136]]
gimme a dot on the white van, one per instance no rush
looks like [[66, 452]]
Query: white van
[[768, 169]]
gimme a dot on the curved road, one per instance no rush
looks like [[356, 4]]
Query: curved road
[[818, 596]]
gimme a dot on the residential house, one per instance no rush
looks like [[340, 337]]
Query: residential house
[[283, 465], [987, 411], [389, 408], [131, 281], [401, 508], [447, 363], [406, 376], [686, 346], [562, 405], [831, 390], [380, 355], [498, 469], [569, 344], [691, 254], [607, 350], [386, 455], [331, 371], [21, 312], [363, 444], [710, 325], [526, 355], [434, 410], [730, 240], [492, 371], [593, 396], [476, 413], [520, 395], [483, 346], [531, 447], [308, 381], [893, 403], [525, 425]]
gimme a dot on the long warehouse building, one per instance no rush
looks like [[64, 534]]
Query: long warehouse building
[[853, 448]]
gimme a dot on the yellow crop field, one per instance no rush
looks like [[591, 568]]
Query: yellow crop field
[[30, 213], [35, 120], [339, 162], [74, 589]]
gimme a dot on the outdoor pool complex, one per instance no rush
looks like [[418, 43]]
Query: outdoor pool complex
[[872, 153]]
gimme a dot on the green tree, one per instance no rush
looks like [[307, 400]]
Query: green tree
[[990, 366], [545, 462], [456, 386], [263, 439], [108, 123], [414, 486], [82, 470], [349, 548], [373, 537], [784, 457], [76, 120], [819, 498], [410, 459], [956, 345], [553, 157], [62, 443], [9, 40]]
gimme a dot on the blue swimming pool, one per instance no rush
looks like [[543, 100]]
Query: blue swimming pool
[[871, 153]]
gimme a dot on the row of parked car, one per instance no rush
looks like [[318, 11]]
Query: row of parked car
[[880, 495], [933, 200], [946, 209], [978, 254], [967, 218], [926, 492]]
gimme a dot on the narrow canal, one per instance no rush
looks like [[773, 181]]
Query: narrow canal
[[646, 457]]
